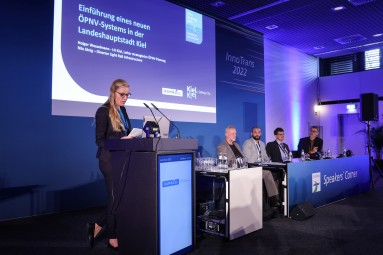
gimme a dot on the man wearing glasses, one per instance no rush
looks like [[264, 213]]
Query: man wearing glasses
[[311, 144], [278, 151]]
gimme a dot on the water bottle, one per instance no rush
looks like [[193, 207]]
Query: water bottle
[[328, 153], [303, 155], [198, 161], [290, 156], [239, 163], [344, 152], [147, 132], [220, 160], [224, 160]]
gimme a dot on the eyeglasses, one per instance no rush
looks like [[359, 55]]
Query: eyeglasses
[[123, 94]]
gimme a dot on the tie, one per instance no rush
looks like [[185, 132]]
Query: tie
[[283, 147]]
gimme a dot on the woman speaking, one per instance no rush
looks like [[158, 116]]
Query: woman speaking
[[112, 122]]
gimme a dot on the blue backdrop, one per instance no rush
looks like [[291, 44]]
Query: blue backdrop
[[47, 162]]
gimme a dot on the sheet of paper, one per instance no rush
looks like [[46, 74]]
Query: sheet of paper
[[136, 132]]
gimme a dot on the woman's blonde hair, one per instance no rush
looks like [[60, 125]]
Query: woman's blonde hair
[[113, 112]]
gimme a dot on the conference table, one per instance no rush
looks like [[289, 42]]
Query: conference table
[[229, 201], [321, 182]]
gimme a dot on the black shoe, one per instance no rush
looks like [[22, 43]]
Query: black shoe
[[274, 202], [268, 214], [112, 247], [276, 213], [91, 227]]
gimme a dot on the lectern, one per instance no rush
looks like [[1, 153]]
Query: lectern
[[154, 194]]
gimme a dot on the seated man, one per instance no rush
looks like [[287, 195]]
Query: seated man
[[233, 151], [312, 143], [229, 146], [278, 151], [254, 150]]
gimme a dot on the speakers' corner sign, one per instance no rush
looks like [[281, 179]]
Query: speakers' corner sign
[[322, 182]]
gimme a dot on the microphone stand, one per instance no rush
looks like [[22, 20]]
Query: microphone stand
[[369, 155], [178, 131]]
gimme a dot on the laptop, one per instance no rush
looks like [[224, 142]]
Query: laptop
[[163, 123]]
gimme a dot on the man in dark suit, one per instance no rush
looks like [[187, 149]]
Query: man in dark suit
[[312, 143], [278, 151]]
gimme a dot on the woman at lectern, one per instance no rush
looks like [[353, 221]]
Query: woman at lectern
[[112, 121]]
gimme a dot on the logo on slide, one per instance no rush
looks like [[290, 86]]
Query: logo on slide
[[193, 27], [170, 183], [315, 182], [191, 92], [172, 92]]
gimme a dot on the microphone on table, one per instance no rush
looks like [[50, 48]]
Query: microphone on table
[[151, 128], [178, 131]]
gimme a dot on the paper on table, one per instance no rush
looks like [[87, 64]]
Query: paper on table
[[136, 132]]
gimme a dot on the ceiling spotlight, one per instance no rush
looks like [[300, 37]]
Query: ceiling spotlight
[[350, 39], [338, 8], [377, 35], [351, 107], [271, 27], [318, 47], [217, 4]]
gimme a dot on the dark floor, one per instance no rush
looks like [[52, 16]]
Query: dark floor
[[350, 226]]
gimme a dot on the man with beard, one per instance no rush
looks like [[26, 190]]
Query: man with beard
[[311, 144], [253, 148], [255, 151]]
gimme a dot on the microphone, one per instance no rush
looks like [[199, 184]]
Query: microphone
[[178, 131], [147, 106]]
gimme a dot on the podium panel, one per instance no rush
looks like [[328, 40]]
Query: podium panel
[[154, 195], [175, 203]]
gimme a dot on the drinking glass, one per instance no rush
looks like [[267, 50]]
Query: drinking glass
[[244, 162]]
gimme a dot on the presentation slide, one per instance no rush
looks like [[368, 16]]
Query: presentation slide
[[175, 202], [165, 52]]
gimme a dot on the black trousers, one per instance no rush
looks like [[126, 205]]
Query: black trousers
[[108, 218]]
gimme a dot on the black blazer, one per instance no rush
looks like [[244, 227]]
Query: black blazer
[[104, 130], [273, 151], [304, 143]]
